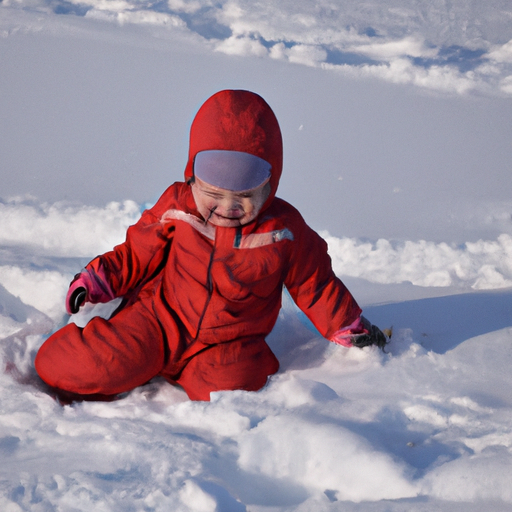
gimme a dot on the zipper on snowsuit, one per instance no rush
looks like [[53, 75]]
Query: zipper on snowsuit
[[209, 287]]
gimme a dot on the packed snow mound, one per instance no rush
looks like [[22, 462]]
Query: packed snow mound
[[62, 229], [323, 457], [44, 245], [21, 327], [481, 265]]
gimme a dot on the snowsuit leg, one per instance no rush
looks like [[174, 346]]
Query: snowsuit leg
[[106, 357], [242, 364]]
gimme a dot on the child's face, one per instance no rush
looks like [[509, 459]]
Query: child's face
[[226, 208]]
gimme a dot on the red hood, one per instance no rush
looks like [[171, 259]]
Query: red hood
[[238, 121]]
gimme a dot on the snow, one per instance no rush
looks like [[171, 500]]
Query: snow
[[410, 189]]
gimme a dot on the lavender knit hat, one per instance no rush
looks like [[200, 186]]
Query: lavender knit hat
[[231, 170]]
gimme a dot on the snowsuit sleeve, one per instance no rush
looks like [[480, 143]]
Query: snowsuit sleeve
[[315, 288], [143, 254]]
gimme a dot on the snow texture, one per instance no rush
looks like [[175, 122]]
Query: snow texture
[[426, 425]]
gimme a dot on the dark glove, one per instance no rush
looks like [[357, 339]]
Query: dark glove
[[77, 293], [374, 337], [76, 298], [90, 285], [361, 333]]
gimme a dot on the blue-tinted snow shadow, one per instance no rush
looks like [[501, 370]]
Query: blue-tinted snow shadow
[[225, 501], [338, 57], [71, 8], [441, 323], [465, 59], [391, 433]]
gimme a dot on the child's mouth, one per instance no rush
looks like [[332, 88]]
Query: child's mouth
[[229, 217]]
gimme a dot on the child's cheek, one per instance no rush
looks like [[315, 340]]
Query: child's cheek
[[207, 205], [212, 205]]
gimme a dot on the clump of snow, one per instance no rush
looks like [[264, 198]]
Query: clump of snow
[[43, 289], [65, 230], [322, 457], [481, 265]]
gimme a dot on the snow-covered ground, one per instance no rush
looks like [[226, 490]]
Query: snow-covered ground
[[408, 181]]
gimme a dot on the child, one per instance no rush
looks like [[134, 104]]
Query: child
[[201, 273]]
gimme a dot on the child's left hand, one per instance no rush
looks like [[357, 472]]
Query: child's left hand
[[362, 333], [374, 337]]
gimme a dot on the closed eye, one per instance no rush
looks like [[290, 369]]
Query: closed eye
[[212, 194]]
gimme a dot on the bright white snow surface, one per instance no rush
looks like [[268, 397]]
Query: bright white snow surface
[[411, 191]]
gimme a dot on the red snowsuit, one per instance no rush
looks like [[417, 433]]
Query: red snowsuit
[[200, 299]]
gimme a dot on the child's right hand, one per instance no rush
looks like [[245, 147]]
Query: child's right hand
[[90, 285], [77, 294]]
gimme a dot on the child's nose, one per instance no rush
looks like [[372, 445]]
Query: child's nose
[[230, 203]]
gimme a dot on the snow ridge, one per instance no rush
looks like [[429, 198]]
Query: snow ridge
[[456, 47]]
